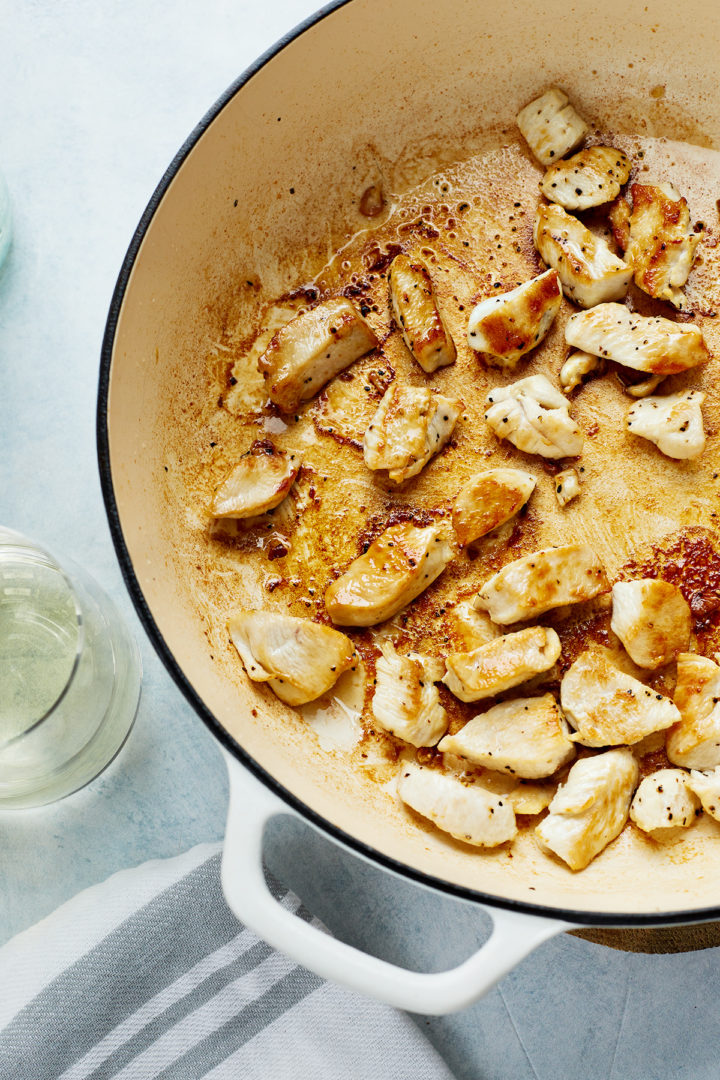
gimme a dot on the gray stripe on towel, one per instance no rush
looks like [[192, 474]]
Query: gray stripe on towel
[[146, 953]]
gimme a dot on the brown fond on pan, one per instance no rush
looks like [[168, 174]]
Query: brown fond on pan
[[270, 190]]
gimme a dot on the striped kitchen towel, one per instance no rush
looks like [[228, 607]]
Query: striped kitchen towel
[[149, 975]]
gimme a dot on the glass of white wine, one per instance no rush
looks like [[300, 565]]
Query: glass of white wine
[[70, 676]]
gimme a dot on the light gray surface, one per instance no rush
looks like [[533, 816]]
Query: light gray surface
[[97, 98]]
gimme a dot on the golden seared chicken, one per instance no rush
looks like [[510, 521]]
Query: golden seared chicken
[[694, 743], [313, 347], [467, 811], [489, 499], [655, 345], [706, 786], [551, 127], [590, 178], [577, 367], [506, 327], [395, 569], [411, 424], [652, 619], [472, 626], [619, 215], [532, 585], [531, 799], [535, 417], [674, 422], [406, 701], [501, 664], [259, 482], [416, 313], [590, 808], [661, 244], [526, 737], [297, 658], [664, 804], [590, 273], [608, 707], [567, 486]]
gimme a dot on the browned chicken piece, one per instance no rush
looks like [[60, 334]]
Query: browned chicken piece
[[489, 499], [416, 313], [577, 367], [259, 482], [590, 808], [674, 422], [297, 658], [619, 218], [551, 127], [652, 619], [706, 785], [532, 585], [411, 425], [653, 344], [662, 244], [567, 486], [665, 804], [468, 812], [525, 737], [607, 707], [535, 417], [590, 273], [590, 178], [501, 664], [395, 569], [694, 743], [503, 328], [313, 347], [473, 627], [406, 701]]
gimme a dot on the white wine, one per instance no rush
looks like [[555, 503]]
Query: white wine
[[39, 641]]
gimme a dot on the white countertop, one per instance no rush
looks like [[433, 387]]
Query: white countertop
[[97, 98]]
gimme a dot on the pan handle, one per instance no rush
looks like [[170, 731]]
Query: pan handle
[[252, 805]]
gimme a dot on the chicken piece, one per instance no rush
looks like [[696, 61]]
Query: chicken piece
[[489, 499], [535, 417], [406, 701], [297, 658], [694, 743], [664, 804], [532, 585], [590, 178], [619, 216], [526, 737], [507, 326], [673, 422], [468, 812], [259, 482], [531, 799], [652, 619], [313, 347], [395, 569], [706, 786], [501, 664], [641, 389], [416, 313], [473, 627], [590, 808], [551, 127], [411, 424], [589, 272], [577, 367], [607, 707], [662, 244], [567, 486], [655, 345]]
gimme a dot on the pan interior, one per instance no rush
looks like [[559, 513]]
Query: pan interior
[[262, 217]]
